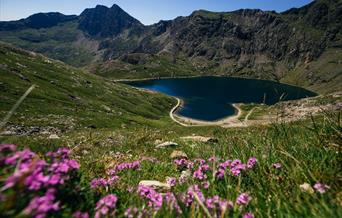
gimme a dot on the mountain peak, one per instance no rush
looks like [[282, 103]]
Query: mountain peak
[[116, 6], [106, 22], [100, 7]]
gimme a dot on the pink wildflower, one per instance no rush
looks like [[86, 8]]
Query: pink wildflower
[[155, 198], [131, 212], [225, 164], [98, 183], [171, 181], [181, 162], [7, 148], [251, 162], [40, 206], [206, 184], [277, 166], [219, 173], [106, 206], [213, 159], [321, 188], [243, 199], [189, 199], [235, 163], [198, 174], [248, 215], [79, 214], [172, 203]]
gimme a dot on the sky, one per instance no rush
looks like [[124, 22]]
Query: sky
[[147, 11]]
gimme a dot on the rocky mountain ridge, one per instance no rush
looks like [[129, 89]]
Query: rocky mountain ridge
[[246, 42]]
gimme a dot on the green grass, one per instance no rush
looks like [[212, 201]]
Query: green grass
[[62, 42], [309, 150], [72, 94], [323, 75], [305, 149]]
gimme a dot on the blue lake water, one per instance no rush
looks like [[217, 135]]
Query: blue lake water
[[211, 98]]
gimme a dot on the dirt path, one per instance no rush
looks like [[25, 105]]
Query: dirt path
[[249, 114]]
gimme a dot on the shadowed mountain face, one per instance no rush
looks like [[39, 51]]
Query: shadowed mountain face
[[248, 43], [106, 22], [37, 21]]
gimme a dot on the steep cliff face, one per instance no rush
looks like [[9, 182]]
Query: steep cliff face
[[249, 43]]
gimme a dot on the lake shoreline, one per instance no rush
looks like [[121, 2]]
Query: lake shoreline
[[219, 76], [230, 121]]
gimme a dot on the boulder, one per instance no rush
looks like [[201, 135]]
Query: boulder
[[167, 144], [178, 154], [154, 184], [53, 136], [200, 139]]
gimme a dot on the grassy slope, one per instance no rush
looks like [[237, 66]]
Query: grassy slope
[[308, 152], [154, 66], [62, 42], [323, 75], [64, 93]]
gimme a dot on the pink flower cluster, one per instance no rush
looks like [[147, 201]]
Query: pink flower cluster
[[132, 212], [243, 199], [215, 204], [113, 178], [181, 163], [155, 199], [235, 166], [321, 188], [101, 182], [172, 203], [39, 207], [171, 181], [248, 215], [35, 174], [106, 206], [124, 166], [190, 195], [79, 214]]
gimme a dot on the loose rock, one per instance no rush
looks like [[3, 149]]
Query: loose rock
[[167, 144], [53, 136], [178, 154], [306, 187], [154, 184], [200, 139]]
